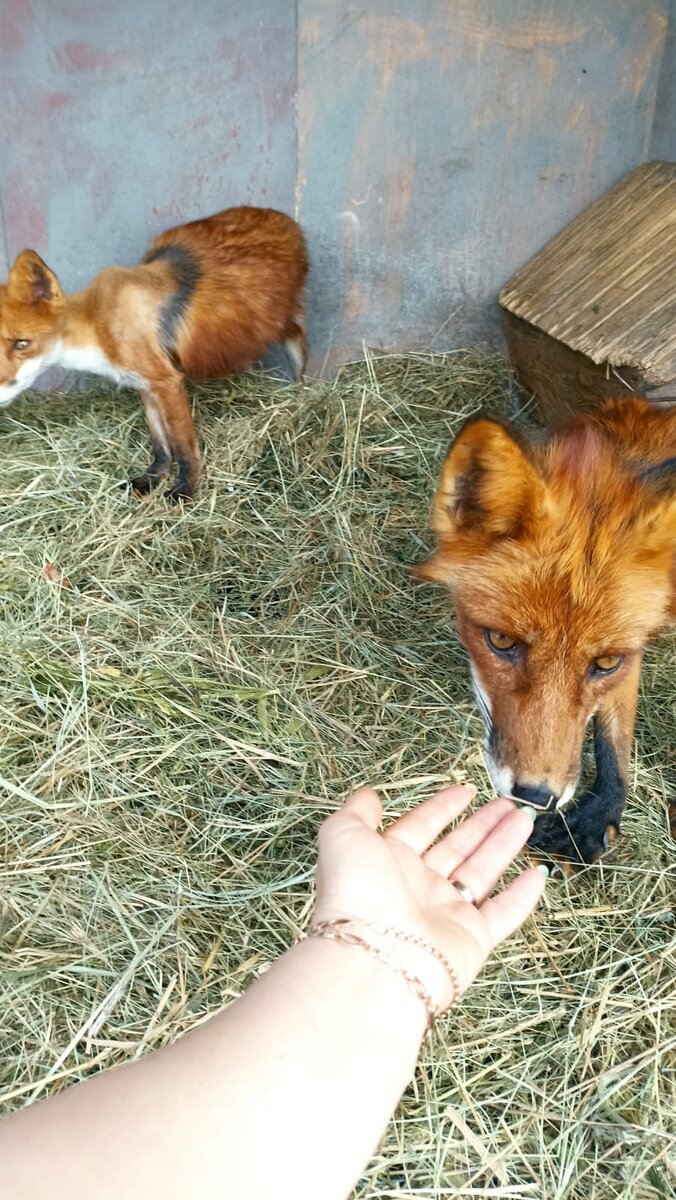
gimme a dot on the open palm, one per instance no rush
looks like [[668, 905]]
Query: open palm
[[404, 877]]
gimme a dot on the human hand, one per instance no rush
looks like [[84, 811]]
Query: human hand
[[403, 878]]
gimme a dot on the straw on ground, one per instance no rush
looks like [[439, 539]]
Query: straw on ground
[[186, 693]]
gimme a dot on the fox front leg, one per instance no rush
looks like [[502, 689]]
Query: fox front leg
[[173, 436], [161, 461], [585, 830], [583, 833]]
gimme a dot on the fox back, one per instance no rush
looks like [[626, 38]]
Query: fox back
[[239, 288], [560, 559]]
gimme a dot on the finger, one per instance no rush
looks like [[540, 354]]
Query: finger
[[481, 870], [508, 910], [452, 850], [418, 828], [365, 806], [362, 808]]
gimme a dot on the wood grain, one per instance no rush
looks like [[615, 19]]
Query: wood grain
[[605, 285]]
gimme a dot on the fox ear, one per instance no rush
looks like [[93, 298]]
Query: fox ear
[[488, 484], [488, 488], [31, 280]]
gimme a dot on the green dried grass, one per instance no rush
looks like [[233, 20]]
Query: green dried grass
[[175, 724]]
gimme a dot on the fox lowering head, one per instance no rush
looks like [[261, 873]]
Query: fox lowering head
[[31, 309], [559, 560]]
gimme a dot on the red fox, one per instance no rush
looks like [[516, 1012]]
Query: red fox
[[207, 299], [561, 559]]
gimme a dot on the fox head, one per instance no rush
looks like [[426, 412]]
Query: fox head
[[559, 560], [31, 314]]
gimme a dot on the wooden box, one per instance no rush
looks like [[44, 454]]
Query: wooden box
[[594, 313]]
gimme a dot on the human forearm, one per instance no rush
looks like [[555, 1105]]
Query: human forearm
[[287, 1092], [318, 1055]]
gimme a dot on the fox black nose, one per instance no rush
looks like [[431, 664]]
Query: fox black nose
[[538, 797]]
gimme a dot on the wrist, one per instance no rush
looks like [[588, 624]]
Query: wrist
[[374, 990], [415, 954], [419, 963]]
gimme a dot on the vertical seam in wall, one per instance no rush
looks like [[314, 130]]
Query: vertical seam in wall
[[3, 232], [659, 81], [296, 106]]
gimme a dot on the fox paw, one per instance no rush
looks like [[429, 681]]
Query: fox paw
[[179, 493], [580, 835], [142, 484]]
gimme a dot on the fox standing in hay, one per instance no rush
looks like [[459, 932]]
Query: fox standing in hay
[[561, 558], [208, 298]]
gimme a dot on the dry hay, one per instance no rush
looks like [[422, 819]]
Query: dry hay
[[187, 693]]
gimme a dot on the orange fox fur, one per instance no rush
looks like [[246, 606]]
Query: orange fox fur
[[208, 298], [566, 548]]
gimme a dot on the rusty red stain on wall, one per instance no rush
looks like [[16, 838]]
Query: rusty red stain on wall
[[79, 56], [42, 104], [27, 221], [13, 23]]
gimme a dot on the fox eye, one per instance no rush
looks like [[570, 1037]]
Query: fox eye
[[605, 664], [500, 643], [21, 344]]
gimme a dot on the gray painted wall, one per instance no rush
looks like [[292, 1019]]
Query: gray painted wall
[[428, 147], [122, 117], [442, 144], [663, 144]]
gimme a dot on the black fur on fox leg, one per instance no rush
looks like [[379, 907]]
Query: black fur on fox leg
[[185, 481], [586, 829], [150, 478]]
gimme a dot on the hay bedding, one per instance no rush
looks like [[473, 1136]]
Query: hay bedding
[[186, 694]]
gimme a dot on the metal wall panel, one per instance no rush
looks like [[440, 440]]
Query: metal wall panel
[[663, 143], [442, 144], [122, 117]]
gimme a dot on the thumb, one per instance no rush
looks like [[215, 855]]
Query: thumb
[[364, 806], [361, 809]]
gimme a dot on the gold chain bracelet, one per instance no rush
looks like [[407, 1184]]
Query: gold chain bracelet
[[339, 930]]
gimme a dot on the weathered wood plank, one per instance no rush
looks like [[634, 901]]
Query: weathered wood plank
[[604, 286], [562, 381]]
